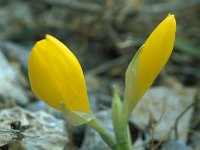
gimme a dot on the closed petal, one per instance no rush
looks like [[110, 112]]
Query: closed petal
[[56, 76], [149, 61]]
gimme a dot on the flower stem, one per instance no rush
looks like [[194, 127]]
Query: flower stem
[[123, 133], [95, 124]]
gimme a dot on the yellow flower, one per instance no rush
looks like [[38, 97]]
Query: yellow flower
[[56, 76], [149, 61]]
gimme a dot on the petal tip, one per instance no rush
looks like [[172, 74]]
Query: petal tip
[[171, 17], [49, 37], [171, 20]]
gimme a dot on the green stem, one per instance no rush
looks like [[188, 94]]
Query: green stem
[[124, 140], [95, 124], [123, 135]]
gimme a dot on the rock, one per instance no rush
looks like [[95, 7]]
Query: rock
[[46, 131], [11, 89], [41, 105], [92, 138], [175, 145], [164, 105]]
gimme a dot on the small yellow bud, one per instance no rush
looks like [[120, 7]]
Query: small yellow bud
[[56, 76], [149, 61]]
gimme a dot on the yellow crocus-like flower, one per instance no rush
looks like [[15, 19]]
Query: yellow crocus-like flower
[[56, 76], [149, 61]]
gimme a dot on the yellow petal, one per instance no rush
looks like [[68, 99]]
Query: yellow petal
[[149, 61], [56, 76]]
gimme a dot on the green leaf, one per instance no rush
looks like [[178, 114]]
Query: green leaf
[[116, 110]]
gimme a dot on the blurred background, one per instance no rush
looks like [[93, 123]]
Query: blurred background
[[104, 35]]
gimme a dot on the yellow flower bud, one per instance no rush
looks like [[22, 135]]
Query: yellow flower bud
[[56, 76], [149, 61]]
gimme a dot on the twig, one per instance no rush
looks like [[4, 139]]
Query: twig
[[179, 117], [74, 4], [165, 7], [154, 125]]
